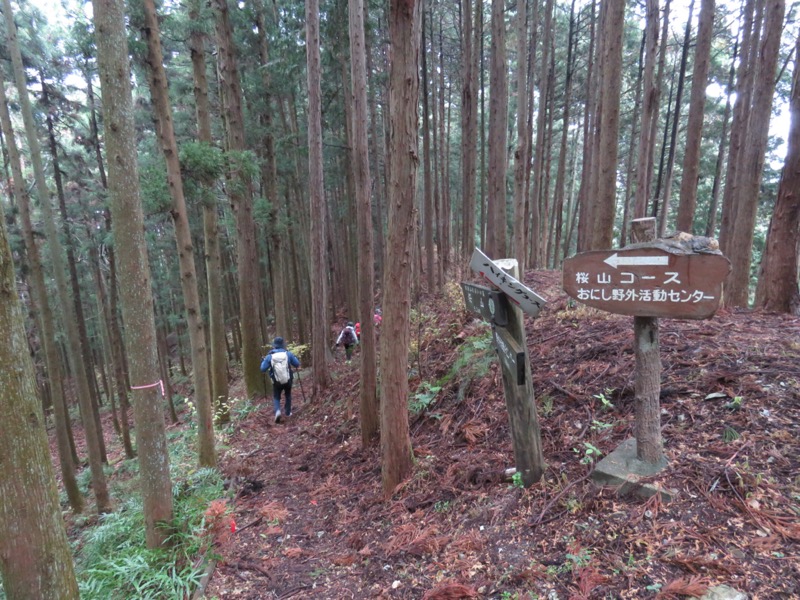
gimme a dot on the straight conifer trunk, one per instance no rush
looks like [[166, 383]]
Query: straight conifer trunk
[[650, 94], [521, 160], [35, 557], [52, 359], [216, 312], [366, 271], [469, 130], [694, 126], [404, 46], [319, 266], [753, 154], [56, 250], [135, 280], [603, 215], [183, 238], [240, 191], [777, 282], [498, 136]]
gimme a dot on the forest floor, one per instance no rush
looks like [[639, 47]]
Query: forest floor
[[312, 521]]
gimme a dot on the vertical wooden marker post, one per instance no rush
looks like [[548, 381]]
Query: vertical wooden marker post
[[647, 429], [678, 278], [503, 308]]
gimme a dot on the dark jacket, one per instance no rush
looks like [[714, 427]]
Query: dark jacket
[[266, 364]]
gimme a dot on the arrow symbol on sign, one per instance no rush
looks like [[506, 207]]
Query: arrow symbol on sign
[[615, 260]]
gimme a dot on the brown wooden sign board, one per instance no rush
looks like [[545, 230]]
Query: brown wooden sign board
[[512, 356], [486, 302], [647, 282]]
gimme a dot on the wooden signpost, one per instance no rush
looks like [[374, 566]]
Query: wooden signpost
[[679, 278], [653, 281], [503, 306]]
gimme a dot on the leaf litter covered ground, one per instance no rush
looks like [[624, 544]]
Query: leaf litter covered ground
[[312, 521]]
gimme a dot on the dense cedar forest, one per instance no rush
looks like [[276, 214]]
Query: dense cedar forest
[[185, 181]]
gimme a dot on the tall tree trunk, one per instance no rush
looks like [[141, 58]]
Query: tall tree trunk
[[558, 206], [630, 178], [694, 126], [583, 208], [216, 312], [241, 196], [428, 210], [537, 225], [445, 255], [606, 202], [52, 360], [753, 155], [739, 125], [375, 141], [366, 273], [135, 279], [183, 237], [57, 259], [269, 181], [676, 119], [711, 219], [521, 159], [35, 557], [777, 281], [469, 129], [319, 266], [498, 136], [73, 271], [650, 95], [404, 44]]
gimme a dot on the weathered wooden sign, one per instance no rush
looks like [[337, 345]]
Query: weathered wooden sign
[[486, 302], [508, 331], [511, 354], [648, 281], [524, 297]]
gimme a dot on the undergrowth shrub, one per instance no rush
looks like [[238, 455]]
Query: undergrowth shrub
[[112, 560], [473, 358]]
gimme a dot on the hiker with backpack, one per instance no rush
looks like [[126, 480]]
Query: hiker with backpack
[[278, 363], [349, 338]]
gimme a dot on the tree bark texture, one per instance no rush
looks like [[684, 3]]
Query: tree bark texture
[[606, 201], [777, 282], [35, 557], [469, 130], [404, 40], [135, 279], [92, 434], [159, 93], [52, 360], [521, 154], [366, 269], [740, 252], [644, 166], [694, 126], [316, 190], [498, 136], [676, 118], [240, 190], [216, 312]]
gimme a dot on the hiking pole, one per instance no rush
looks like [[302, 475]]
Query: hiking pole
[[302, 391]]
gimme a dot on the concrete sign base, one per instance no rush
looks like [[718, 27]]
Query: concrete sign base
[[623, 470]]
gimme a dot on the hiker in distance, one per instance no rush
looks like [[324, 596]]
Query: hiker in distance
[[278, 363], [349, 338]]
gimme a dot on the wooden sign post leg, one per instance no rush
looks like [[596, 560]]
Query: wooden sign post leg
[[648, 370], [520, 402]]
